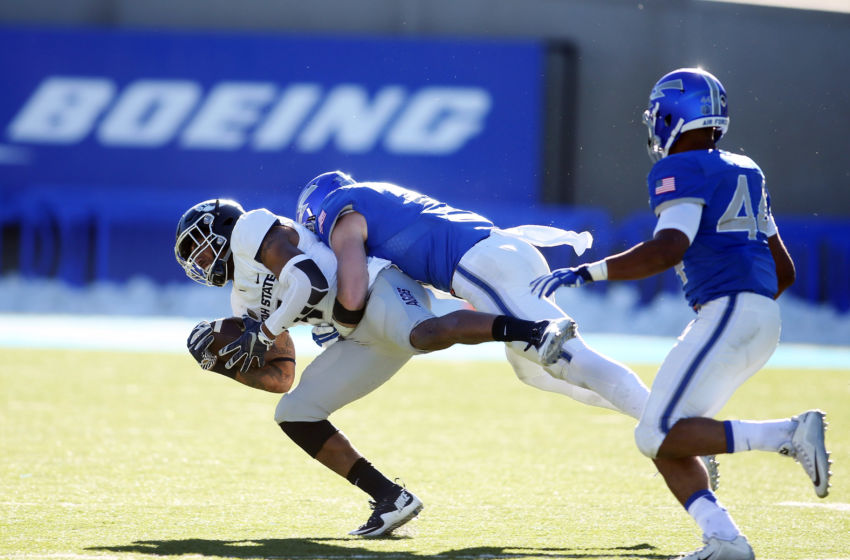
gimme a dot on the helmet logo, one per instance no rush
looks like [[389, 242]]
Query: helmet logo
[[658, 90]]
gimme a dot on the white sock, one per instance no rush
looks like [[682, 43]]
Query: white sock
[[611, 380], [711, 517], [764, 436]]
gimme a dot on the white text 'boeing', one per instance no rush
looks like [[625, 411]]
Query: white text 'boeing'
[[260, 116]]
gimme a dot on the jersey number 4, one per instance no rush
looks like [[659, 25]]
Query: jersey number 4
[[739, 214]]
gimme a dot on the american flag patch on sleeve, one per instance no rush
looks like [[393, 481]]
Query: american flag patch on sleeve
[[665, 185]]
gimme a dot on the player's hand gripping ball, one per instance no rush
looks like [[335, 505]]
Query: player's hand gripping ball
[[208, 338]]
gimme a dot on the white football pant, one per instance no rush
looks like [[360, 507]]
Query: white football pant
[[731, 338], [494, 276], [354, 367]]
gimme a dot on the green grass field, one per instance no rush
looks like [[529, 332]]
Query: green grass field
[[125, 456]]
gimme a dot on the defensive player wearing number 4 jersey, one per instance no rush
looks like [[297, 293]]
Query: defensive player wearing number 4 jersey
[[715, 226]]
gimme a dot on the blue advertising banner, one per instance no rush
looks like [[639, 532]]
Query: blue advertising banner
[[107, 136], [256, 116]]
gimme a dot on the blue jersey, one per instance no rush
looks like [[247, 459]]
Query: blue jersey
[[423, 237], [730, 253]]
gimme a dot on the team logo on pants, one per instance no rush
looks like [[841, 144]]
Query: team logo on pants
[[407, 297]]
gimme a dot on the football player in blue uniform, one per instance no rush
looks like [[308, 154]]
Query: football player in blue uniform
[[716, 228], [465, 254]]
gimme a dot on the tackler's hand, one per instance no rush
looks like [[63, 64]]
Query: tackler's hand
[[545, 285], [324, 335]]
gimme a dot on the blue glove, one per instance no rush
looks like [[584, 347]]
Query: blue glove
[[249, 348], [324, 336], [545, 286], [199, 342]]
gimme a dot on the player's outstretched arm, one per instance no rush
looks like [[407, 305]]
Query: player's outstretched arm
[[785, 271], [664, 250], [649, 258]]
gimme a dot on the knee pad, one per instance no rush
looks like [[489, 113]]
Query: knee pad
[[648, 439], [309, 436]]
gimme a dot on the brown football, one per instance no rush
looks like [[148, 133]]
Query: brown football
[[225, 331]]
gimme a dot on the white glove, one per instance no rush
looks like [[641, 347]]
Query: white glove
[[324, 335]]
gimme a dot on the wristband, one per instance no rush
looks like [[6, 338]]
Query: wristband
[[264, 340], [281, 359], [598, 270], [347, 316]]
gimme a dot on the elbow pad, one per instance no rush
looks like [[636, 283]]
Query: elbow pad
[[306, 286]]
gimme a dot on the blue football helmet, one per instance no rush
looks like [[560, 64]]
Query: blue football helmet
[[685, 99], [314, 193], [205, 229]]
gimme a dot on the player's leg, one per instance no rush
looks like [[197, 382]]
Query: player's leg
[[800, 437], [401, 301], [729, 341], [533, 374], [494, 276], [474, 327], [346, 371], [718, 351]]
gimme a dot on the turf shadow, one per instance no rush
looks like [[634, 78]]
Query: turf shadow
[[327, 548]]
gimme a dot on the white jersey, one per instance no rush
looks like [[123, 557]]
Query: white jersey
[[256, 289]]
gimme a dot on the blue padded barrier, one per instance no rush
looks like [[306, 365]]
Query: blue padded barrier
[[837, 270], [84, 233], [819, 247]]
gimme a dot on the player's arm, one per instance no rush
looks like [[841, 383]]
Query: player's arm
[[785, 271], [306, 284], [674, 232], [664, 250], [347, 241], [278, 374]]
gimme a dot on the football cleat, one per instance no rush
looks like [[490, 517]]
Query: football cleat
[[807, 447], [389, 514], [713, 468], [552, 336], [718, 549]]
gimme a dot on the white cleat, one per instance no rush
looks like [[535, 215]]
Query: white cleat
[[553, 337], [717, 549], [807, 447], [713, 468]]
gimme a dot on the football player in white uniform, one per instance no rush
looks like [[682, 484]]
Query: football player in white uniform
[[283, 275]]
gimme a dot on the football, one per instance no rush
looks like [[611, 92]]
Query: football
[[225, 331]]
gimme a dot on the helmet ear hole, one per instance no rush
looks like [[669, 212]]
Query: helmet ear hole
[[668, 120]]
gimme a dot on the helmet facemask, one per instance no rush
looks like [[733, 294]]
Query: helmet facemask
[[199, 240]]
